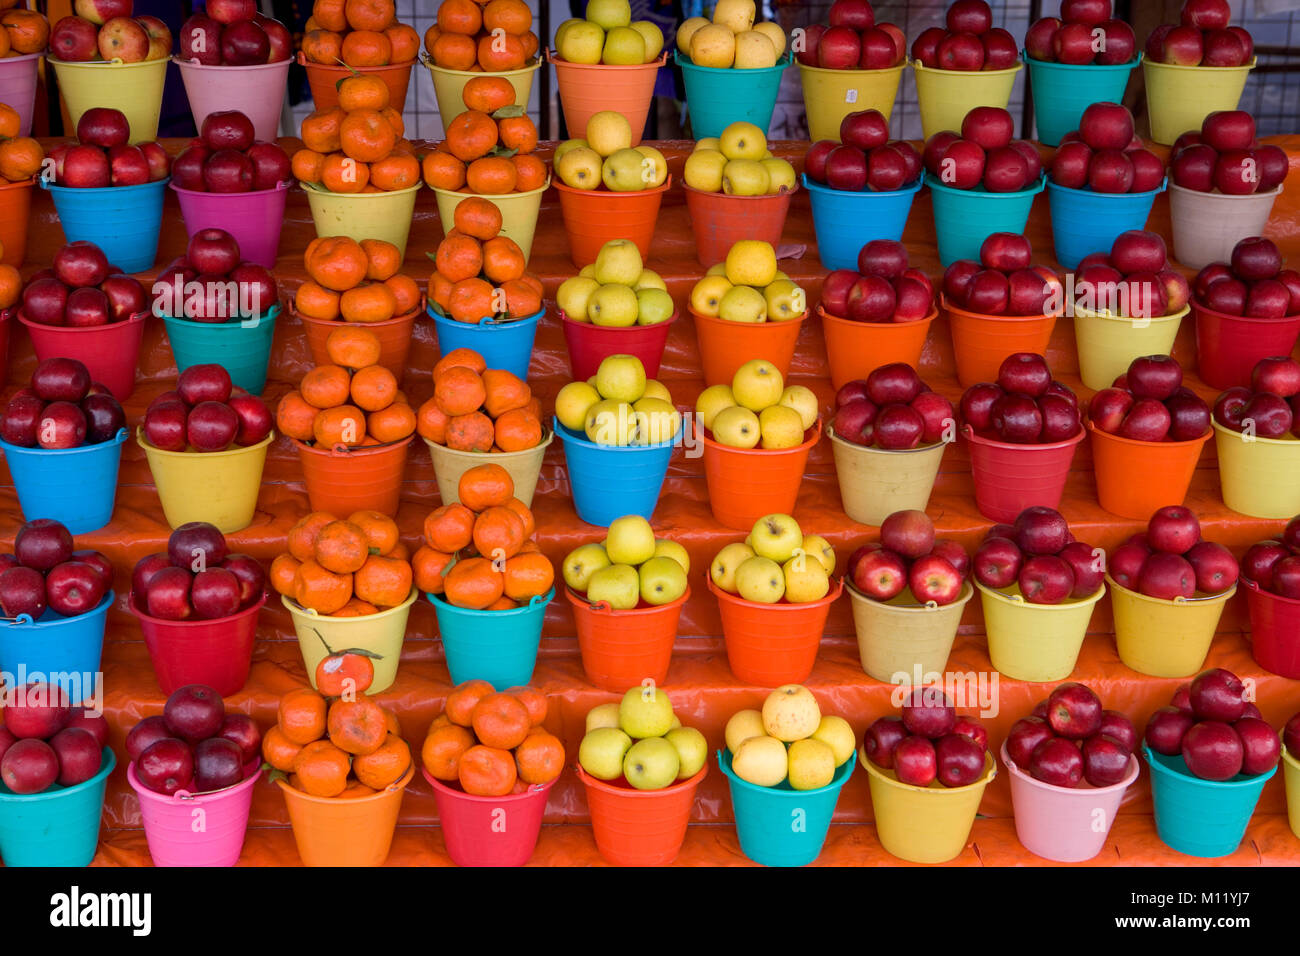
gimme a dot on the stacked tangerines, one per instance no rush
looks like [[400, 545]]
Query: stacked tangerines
[[492, 743], [479, 551], [476, 408], [358, 33], [479, 273], [344, 567], [354, 281], [465, 36], [25, 31], [20, 156], [489, 148], [347, 747], [357, 146]]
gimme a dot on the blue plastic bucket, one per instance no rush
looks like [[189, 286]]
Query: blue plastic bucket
[[243, 348], [124, 221], [1084, 222], [1198, 817], [964, 218], [74, 486], [507, 345], [1062, 91], [608, 482], [846, 221], [499, 647], [716, 98], [59, 827], [59, 650], [781, 826]]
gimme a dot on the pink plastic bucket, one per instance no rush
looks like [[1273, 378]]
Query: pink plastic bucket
[[1010, 478], [196, 829], [489, 831], [1274, 630], [18, 87], [254, 219], [257, 91], [109, 352]]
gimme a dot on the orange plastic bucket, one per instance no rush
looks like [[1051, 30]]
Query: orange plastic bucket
[[773, 644], [621, 649], [720, 221], [856, 349], [323, 80], [15, 210], [747, 483], [640, 827], [1010, 478], [346, 480], [394, 337], [726, 346], [1135, 479], [981, 342], [592, 217], [334, 831], [589, 88]]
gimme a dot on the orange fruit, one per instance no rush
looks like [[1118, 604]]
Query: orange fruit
[[355, 608], [322, 769], [343, 174], [464, 698], [341, 547], [528, 576], [503, 260], [405, 293], [459, 257], [306, 165], [498, 54], [316, 302], [284, 574], [517, 430], [487, 771], [491, 175], [404, 41], [366, 136], [518, 133], [336, 262], [395, 172], [330, 14], [512, 16], [373, 302], [321, 130], [384, 582], [367, 48], [342, 673], [442, 750], [540, 758], [460, 16], [454, 51], [530, 172], [20, 158], [278, 750], [363, 92], [522, 298], [295, 417], [357, 726], [448, 528], [472, 432], [503, 391], [351, 347], [342, 425], [459, 357], [320, 590], [370, 14], [385, 766], [473, 583], [498, 534], [459, 391], [431, 422], [427, 566], [383, 259], [322, 46], [472, 300], [325, 386], [443, 171], [29, 31], [380, 530], [471, 134], [525, 515], [393, 423], [485, 486], [301, 716], [534, 702], [487, 94], [303, 535], [501, 720], [478, 217]]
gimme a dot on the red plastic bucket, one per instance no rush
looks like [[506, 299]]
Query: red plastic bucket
[[981, 342], [621, 649], [1010, 478], [355, 479], [217, 653], [109, 352], [640, 827], [747, 483], [489, 831], [394, 337], [773, 644], [726, 346], [856, 349], [719, 221], [15, 213], [590, 344], [1228, 346], [1274, 630], [592, 217], [323, 80]]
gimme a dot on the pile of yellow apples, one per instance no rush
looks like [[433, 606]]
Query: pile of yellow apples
[[609, 35], [748, 287], [616, 290], [629, 567], [789, 741], [738, 163], [664, 751], [607, 157], [619, 406], [776, 562], [732, 39], [757, 409]]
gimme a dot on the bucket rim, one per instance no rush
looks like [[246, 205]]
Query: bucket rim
[[500, 196], [297, 611], [1214, 194], [872, 450], [969, 434], [829, 598], [283, 186], [489, 322], [839, 319], [1289, 758], [344, 323], [1229, 435], [1135, 443], [250, 611], [25, 56], [488, 457], [1254, 587], [182, 798], [29, 182], [946, 306], [838, 780], [194, 64], [963, 598], [536, 601], [709, 442], [602, 608], [296, 794], [347, 452], [920, 67], [468, 74], [228, 453], [1014, 600], [567, 435], [1134, 769], [804, 67], [156, 185], [26, 621], [553, 58], [302, 60], [727, 197], [569, 323], [108, 761], [1200, 308], [533, 790], [312, 188], [134, 319], [1081, 67], [1086, 313], [815, 188], [1156, 64], [1070, 190], [1158, 766], [1038, 187], [1207, 600], [118, 438], [116, 63], [876, 773], [271, 315], [631, 792], [565, 188], [727, 323], [782, 63]]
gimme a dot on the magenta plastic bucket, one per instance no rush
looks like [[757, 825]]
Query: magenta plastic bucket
[[18, 87], [216, 653], [1228, 346], [257, 91], [489, 831], [1010, 478], [254, 218], [109, 352], [1274, 630], [591, 344], [196, 829]]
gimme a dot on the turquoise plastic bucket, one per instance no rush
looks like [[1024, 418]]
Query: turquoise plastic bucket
[[781, 826], [1201, 817], [59, 827], [243, 348], [964, 218], [124, 221], [608, 482], [1084, 222], [846, 221], [499, 647], [1062, 91], [74, 486], [716, 98], [507, 345], [59, 650]]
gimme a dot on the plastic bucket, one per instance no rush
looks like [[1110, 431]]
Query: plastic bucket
[[499, 647], [876, 482], [219, 487], [981, 343], [1062, 91], [1291, 770], [1260, 477], [1084, 221], [394, 338], [243, 348], [1206, 226], [1135, 479], [518, 213], [1180, 97], [901, 641], [640, 827], [381, 633], [124, 221], [964, 218], [1108, 344], [622, 648], [381, 215], [766, 816], [253, 218], [592, 217], [719, 221], [15, 212], [216, 652], [924, 824], [590, 344], [1229, 346], [608, 482], [489, 831], [1164, 638], [1065, 824], [589, 88], [134, 88], [506, 344], [109, 352], [341, 481], [449, 87], [1204, 818], [257, 91], [772, 644], [944, 97], [170, 822], [345, 831], [856, 349], [18, 87], [831, 95], [1274, 630], [66, 650], [725, 346], [716, 98], [323, 79], [1010, 478], [846, 221], [57, 827], [1034, 642], [746, 483], [74, 486], [524, 467]]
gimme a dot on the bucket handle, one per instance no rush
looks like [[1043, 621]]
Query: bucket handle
[[537, 599], [22, 620], [598, 605]]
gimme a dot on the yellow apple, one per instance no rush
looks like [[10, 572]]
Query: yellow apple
[[741, 140], [627, 171], [581, 42], [608, 14], [703, 170], [572, 404], [609, 131], [774, 33], [756, 385], [781, 427], [574, 295], [751, 262], [780, 174], [656, 172], [745, 177], [743, 304], [707, 294], [621, 377], [754, 51], [736, 427], [580, 168], [613, 305], [713, 46], [623, 47], [618, 260], [653, 37], [711, 401], [686, 31]]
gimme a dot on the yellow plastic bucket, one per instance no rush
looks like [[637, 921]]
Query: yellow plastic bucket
[[1291, 769], [1180, 97], [831, 95], [900, 641], [1109, 343], [134, 88], [218, 487], [1164, 638], [382, 634], [874, 482], [924, 824], [1034, 642], [518, 212], [1260, 476], [383, 215], [946, 96], [524, 466], [449, 85]]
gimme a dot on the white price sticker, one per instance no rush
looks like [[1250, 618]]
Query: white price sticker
[[851, 96]]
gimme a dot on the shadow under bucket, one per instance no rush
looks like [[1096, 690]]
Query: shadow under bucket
[[716, 98], [66, 650], [253, 218], [241, 346], [846, 221], [1010, 478], [719, 221], [499, 647], [773, 644], [124, 221], [524, 467], [217, 652], [75, 486], [1062, 91], [590, 344], [345, 831], [640, 827], [169, 822], [489, 831], [593, 217], [382, 634], [621, 648], [256, 90], [725, 346], [394, 337], [1084, 222], [589, 88], [341, 481], [505, 344], [1204, 818], [902, 641], [56, 828], [964, 218], [219, 487], [831, 95], [608, 481]]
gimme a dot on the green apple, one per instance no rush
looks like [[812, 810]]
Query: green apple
[[703, 170], [751, 262], [736, 15], [836, 733], [713, 46], [582, 42], [580, 168], [626, 171], [791, 713], [618, 260], [785, 300], [692, 750], [604, 715], [761, 580], [645, 711], [775, 536], [780, 174], [707, 294], [803, 401], [572, 404], [581, 563], [601, 752], [818, 547], [657, 389], [755, 51], [574, 295], [649, 279], [657, 421], [608, 131], [623, 47], [651, 764], [653, 37], [617, 585], [662, 581], [611, 422], [757, 384], [774, 33], [655, 172], [742, 140], [664, 548], [687, 30], [805, 579], [742, 725], [745, 177], [711, 401], [653, 306], [613, 305], [608, 14], [736, 427], [621, 377], [811, 764], [569, 144], [723, 569], [743, 304], [630, 540], [780, 427], [761, 761]]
